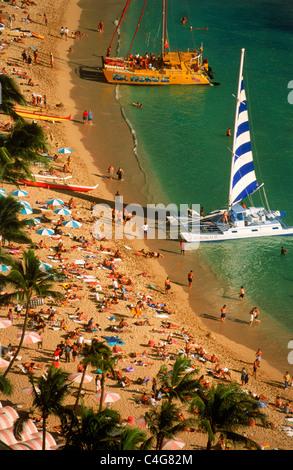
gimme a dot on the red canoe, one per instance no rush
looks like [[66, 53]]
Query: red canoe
[[68, 187]]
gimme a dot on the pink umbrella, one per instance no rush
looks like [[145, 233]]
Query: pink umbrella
[[109, 397], [3, 363], [5, 323], [5, 422], [30, 337], [141, 422], [173, 444], [10, 412], [78, 376]]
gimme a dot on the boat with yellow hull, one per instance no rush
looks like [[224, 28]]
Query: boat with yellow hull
[[183, 68], [166, 68]]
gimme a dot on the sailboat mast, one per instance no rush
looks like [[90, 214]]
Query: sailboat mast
[[163, 27], [235, 126]]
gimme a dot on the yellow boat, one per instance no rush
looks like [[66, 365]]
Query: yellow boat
[[37, 115], [167, 68]]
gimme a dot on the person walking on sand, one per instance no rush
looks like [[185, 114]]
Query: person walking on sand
[[145, 230], [287, 380], [167, 285], [255, 367], [190, 278], [84, 117], [51, 60], [120, 173], [256, 315], [241, 295], [66, 32], [90, 117], [101, 27], [182, 247], [62, 32], [251, 317], [223, 313], [110, 172]]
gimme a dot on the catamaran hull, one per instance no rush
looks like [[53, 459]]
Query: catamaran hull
[[67, 187], [154, 78], [229, 236]]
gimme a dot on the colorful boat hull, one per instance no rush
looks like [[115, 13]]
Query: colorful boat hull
[[40, 116], [67, 187]]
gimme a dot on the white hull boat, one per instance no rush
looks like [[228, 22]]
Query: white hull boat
[[237, 221]]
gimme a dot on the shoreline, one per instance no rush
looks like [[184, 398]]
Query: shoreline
[[79, 137], [197, 303]]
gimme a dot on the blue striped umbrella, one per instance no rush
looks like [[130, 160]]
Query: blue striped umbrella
[[26, 210], [54, 202], [62, 211], [45, 231], [72, 223], [64, 150], [19, 193]]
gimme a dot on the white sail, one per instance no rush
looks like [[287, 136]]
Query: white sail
[[243, 179]]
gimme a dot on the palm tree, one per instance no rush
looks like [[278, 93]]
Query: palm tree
[[131, 439], [164, 422], [27, 279], [224, 409], [93, 431], [21, 148], [10, 95], [49, 392], [180, 384], [98, 355], [11, 227], [6, 386]]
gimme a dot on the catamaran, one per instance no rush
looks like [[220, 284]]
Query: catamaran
[[236, 221], [163, 68]]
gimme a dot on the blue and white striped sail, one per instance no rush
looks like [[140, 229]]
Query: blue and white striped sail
[[243, 178]]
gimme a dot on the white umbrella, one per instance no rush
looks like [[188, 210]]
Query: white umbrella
[[5, 323], [30, 337], [45, 231], [78, 376], [62, 211], [72, 223], [54, 202], [64, 150], [29, 390], [109, 397], [4, 268], [19, 193]]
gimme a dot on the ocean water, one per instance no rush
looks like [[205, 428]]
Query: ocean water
[[180, 133]]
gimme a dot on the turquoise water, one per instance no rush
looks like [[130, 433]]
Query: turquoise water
[[181, 138]]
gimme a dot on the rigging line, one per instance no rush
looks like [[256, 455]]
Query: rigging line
[[137, 28]]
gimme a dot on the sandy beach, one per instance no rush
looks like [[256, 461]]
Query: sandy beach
[[109, 141]]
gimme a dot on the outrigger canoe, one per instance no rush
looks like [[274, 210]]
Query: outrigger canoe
[[67, 187], [40, 116]]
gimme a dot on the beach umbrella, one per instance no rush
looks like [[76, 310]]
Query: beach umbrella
[[72, 223], [45, 231], [30, 337], [24, 203], [5, 323], [3, 268], [78, 376], [19, 193], [109, 397], [29, 390], [2, 190], [26, 210], [141, 422], [3, 362], [45, 266], [62, 211], [172, 444], [54, 202], [33, 222], [64, 150], [3, 194]]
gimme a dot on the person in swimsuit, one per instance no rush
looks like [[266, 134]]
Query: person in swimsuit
[[190, 277], [241, 295], [223, 313]]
